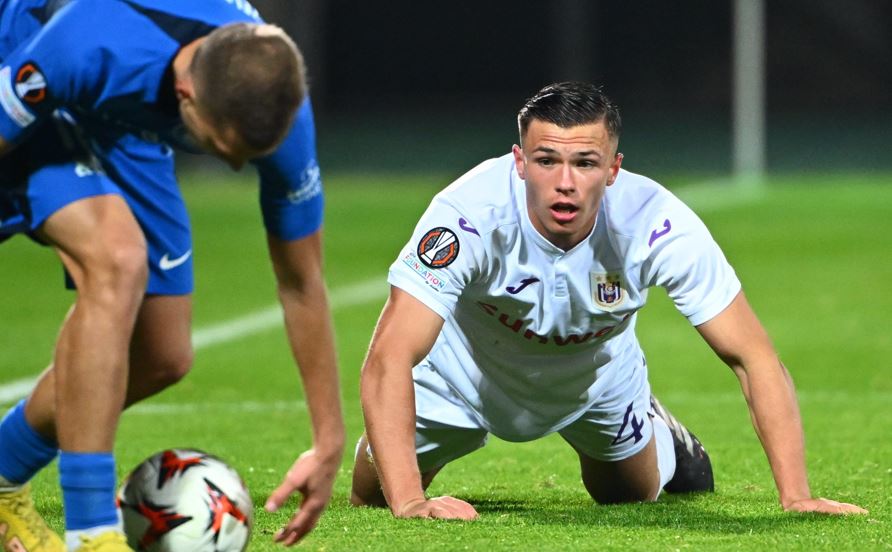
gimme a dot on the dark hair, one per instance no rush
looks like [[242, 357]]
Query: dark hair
[[569, 104], [251, 81]]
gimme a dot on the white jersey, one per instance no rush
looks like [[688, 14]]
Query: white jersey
[[532, 334]]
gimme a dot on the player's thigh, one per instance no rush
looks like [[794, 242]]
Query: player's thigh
[[87, 221], [614, 439], [144, 171], [445, 428], [162, 337], [164, 321], [617, 425], [52, 190]]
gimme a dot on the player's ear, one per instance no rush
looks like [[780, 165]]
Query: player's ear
[[184, 89], [518, 161], [614, 168]]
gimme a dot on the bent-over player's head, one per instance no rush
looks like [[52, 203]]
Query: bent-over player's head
[[570, 104], [249, 80]]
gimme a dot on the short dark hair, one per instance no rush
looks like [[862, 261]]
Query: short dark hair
[[251, 81], [569, 104]]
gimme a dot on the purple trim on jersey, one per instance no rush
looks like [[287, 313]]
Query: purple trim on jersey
[[466, 226], [654, 236]]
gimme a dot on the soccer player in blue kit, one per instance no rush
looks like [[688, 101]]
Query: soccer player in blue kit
[[93, 96]]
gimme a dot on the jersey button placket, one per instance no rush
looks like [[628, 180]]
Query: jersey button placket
[[560, 290]]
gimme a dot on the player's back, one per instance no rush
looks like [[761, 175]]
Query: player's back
[[21, 19]]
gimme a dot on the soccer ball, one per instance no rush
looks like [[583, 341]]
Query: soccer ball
[[183, 500]]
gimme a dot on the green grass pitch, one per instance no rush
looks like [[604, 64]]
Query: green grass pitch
[[815, 257]]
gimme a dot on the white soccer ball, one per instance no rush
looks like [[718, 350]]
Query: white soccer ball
[[182, 500]]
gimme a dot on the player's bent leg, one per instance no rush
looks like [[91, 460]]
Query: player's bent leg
[[105, 254], [366, 487], [104, 251], [160, 356], [633, 479], [693, 468], [161, 349]]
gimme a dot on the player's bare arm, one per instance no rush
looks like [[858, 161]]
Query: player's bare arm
[[302, 292], [739, 339], [405, 333]]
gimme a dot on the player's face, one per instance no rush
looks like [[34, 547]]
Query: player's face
[[223, 142], [566, 172]]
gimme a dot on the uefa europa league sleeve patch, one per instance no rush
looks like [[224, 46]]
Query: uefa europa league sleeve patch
[[30, 84], [438, 248]]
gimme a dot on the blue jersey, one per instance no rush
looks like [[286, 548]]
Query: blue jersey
[[107, 63]]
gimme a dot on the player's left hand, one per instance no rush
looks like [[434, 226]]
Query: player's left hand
[[312, 475], [824, 506]]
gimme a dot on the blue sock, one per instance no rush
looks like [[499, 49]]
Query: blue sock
[[23, 451], [88, 489]]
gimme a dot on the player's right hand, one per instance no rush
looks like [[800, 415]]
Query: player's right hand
[[824, 506], [441, 507]]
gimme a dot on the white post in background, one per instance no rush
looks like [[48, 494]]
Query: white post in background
[[749, 91]]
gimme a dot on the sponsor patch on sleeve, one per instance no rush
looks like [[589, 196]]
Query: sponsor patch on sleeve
[[310, 184], [10, 101], [434, 280], [438, 248]]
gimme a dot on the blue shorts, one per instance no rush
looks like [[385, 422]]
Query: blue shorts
[[54, 168]]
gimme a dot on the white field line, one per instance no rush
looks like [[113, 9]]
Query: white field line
[[808, 399], [181, 408], [705, 196], [374, 289]]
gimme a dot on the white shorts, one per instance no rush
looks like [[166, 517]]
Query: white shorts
[[615, 427]]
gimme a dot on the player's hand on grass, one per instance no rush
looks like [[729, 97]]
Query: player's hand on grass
[[441, 507], [311, 475], [824, 506]]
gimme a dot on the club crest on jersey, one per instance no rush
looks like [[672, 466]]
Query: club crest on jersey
[[607, 290], [30, 85], [438, 247]]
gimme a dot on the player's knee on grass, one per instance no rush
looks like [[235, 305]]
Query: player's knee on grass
[[633, 479], [366, 487]]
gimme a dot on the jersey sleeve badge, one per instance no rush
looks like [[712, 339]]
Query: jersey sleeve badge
[[438, 248], [30, 84], [10, 101]]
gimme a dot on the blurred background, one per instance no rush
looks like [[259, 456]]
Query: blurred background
[[409, 85]]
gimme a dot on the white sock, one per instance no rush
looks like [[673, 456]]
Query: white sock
[[73, 538], [665, 450]]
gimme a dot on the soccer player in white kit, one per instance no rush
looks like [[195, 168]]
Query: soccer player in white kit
[[512, 311]]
